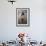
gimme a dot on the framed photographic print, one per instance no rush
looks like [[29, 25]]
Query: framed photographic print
[[22, 17]]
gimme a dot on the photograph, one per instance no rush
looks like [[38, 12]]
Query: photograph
[[22, 16]]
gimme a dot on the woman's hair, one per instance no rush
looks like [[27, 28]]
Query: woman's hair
[[22, 13]]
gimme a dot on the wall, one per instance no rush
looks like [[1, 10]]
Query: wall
[[8, 29]]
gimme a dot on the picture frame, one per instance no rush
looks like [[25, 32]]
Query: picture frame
[[22, 17]]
